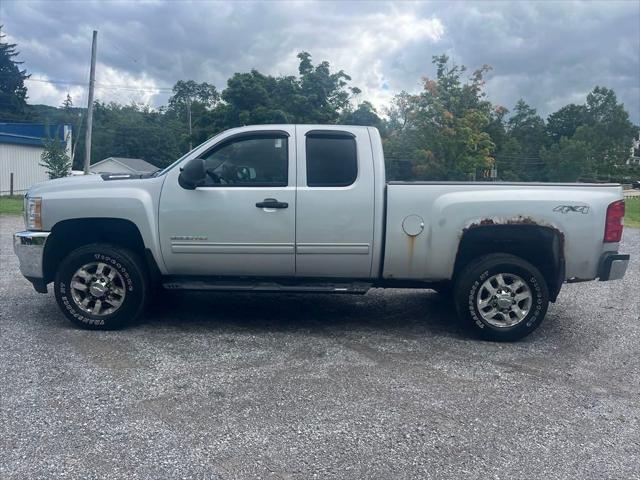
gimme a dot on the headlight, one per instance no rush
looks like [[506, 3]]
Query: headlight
[[33, 213]]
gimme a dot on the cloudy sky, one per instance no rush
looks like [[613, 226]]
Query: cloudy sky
[[548, 52]]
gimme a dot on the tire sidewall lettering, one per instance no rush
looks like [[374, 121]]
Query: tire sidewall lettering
[[472, 298], [118, 265]]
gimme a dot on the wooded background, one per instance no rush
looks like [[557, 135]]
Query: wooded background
[[447, 131]]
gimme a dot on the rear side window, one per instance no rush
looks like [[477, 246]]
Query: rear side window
[[331, 160]]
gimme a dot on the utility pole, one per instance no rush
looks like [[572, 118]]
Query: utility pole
[[189, 116], [92, 81]]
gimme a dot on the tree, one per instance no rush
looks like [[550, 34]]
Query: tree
[[135, 131], [315, 96], [401, 112], [365, 114], [323, 95], [185, 92], [67, 103], [566, 121], [190, 97], [55, 159], [528, 129], [13, 93], [608, 130], [565, 161], [508, 161], [442, 130]]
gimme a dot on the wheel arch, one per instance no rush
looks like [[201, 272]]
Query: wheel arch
[[542, 246], [67, 235]]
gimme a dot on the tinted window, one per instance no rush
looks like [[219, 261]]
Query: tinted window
[[331, 161], [248, 161]]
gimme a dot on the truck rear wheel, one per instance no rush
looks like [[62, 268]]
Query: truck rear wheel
[[501, 297], [101, 287]]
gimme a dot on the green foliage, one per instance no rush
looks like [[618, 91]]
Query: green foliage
[[55, 159], [11, 205], [315, 96], [608, 130], [67, 103], [566, 121], [365, 114], [442, 128], [526, 128], [134, 131], [632, 212], [190, 92], [13, 93], [567, 160], [192, 100]]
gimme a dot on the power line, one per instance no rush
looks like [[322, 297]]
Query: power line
[[145, 88], [507, 155], [110, 86]]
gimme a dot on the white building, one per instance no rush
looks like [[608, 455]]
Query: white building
[[122, 165], [21, 147], [634, 159]]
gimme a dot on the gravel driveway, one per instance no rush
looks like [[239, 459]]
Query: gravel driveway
[[385, 385]]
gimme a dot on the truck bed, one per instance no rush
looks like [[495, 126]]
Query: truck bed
[[448, 209]]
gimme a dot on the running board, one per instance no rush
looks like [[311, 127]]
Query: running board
[[357, 288]]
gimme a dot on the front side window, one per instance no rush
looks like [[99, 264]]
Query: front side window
[[331, 160], [255, 161]]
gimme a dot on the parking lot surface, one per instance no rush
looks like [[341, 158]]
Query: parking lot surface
[[385, 385]]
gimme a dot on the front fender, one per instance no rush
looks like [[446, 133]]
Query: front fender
[[132, 200]]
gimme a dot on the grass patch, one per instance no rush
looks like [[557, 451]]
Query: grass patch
[[632, 212], [11, 205]]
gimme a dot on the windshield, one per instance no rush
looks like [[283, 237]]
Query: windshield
[[166, 169]]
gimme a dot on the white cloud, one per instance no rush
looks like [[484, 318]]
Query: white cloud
[[112, 85], [122, 87], [41, 92], [364, 49], [545, 52]]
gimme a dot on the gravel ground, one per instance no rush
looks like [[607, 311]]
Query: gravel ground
[[385, 385]]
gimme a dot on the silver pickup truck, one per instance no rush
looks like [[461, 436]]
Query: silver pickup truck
[[307, 208]]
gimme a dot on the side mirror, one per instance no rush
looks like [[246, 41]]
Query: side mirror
[[192, 175]]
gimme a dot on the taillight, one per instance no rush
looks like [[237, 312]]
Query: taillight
[[615, 221]]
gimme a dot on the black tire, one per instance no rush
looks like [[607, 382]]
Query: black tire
[[132, 275], [468, 286]]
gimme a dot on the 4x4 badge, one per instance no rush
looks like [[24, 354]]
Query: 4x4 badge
[[584, 209]]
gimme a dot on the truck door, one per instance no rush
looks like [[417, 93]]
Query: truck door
[[335, 202], [242, 221]]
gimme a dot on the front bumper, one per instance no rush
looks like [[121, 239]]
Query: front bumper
[[29, 248], [612, 266]]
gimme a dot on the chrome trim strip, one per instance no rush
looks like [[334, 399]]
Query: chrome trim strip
[[333, 248], [240, 248]]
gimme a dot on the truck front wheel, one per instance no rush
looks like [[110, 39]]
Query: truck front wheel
[[501, 297], [100, 286]]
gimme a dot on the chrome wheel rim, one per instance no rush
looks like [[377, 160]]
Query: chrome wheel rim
[[504, 300], [98, 289]]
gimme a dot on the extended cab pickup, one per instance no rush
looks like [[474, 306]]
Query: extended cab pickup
[[307, 208]]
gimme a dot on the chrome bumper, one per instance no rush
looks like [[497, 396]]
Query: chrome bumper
[[613, 266], [29, 248]]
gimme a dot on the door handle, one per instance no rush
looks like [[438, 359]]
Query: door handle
[[271, 203]]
